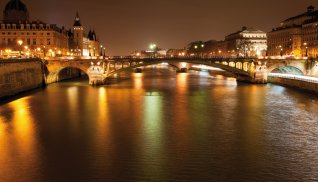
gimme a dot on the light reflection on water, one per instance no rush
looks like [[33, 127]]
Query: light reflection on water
[[159, 126]]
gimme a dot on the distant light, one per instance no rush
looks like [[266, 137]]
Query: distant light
[[164, 64], [152, 46], [20, 42], [204, 67]]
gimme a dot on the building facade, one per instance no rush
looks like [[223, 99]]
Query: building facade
[[82, 44], [20, 36], [296, 36], [247, 42]]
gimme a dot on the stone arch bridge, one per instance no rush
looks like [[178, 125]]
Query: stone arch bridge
[[244, 69]]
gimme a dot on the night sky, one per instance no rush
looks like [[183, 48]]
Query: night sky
[[127, 25]]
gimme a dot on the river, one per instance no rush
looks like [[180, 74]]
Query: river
[[160, 126]]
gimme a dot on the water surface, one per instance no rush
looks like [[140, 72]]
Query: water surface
[[159, 126]]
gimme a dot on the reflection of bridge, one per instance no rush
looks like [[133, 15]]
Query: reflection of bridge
[[250, 70]]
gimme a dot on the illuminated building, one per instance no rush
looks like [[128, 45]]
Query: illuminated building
[[19, 36], [247, 42], [296, 36], [82, 44], [18, 32]]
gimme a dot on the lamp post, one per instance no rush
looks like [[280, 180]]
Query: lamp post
[[101, 50], [20, 42], [280, 49], [306, 47], [281, 52]]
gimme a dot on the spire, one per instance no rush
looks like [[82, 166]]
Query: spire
[[94, 35], [77, 22]]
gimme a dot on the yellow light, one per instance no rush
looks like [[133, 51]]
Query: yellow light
[[20, 42], [152, 46], [38, 49], [184, 65]]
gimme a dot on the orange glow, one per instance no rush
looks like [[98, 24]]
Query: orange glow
[[138, 82], [18, 135], [182, 85]]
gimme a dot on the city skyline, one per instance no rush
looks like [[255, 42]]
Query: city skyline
[[128, 27]]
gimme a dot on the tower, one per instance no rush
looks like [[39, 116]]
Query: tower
[[78, 31]]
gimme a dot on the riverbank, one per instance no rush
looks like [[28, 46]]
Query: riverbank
[[17, 76], [298, 84]]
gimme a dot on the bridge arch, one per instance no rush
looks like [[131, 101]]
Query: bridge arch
[[288, 70], [124, 67], [288, 67], [232, 68], [64, 73]]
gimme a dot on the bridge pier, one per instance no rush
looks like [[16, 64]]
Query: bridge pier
[[182, 70], [138, 70], [258, 73], [95, 82]]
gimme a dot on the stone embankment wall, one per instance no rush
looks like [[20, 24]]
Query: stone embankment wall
[[17, 76], [308, 86]]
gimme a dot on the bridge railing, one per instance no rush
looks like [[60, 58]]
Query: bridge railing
[[295, 77], [176, 57]]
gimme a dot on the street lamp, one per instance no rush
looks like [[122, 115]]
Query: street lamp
[[20, 42], [280, 49], [101, 50], [305, 44], [281, 52]]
